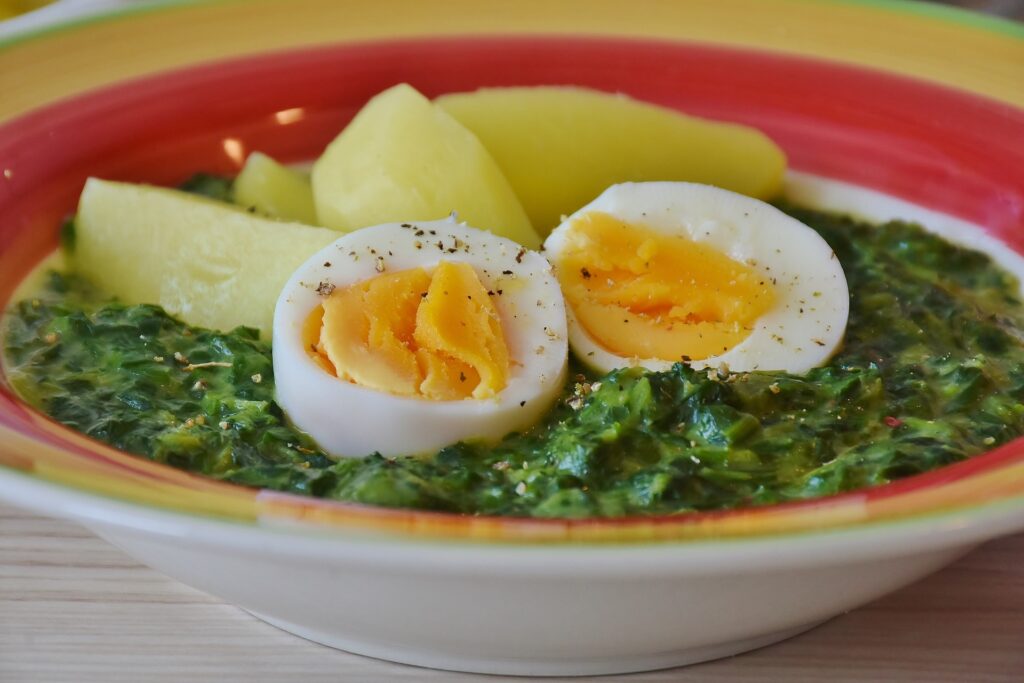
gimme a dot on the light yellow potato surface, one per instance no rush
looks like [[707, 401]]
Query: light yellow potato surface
[[275, 190], [560, 147], [403, 159], [206, 262]]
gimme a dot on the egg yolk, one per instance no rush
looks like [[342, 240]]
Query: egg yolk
[[413, 333], [643, 294]]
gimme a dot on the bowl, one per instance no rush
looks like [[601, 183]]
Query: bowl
[[880, 125]]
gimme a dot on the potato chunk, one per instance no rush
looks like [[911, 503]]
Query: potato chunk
[[560, 147], [404, 159], [275, 190], [204, 261]]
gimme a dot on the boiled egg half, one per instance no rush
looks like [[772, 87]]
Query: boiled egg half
[[661, 272], [407, 337]]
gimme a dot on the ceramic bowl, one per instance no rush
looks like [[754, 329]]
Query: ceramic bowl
[[879, 123]]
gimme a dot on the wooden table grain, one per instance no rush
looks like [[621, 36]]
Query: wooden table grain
[[74, 608]]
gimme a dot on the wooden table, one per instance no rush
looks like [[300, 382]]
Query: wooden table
[[73, 608]]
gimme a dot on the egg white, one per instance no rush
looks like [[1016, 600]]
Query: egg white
[[350, 420], [805, 325]]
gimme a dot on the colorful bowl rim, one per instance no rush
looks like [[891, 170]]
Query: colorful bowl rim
[[925, 8], [913, 42], [75, 461]]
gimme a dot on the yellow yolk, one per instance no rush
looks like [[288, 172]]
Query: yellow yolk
[[640, 293], [412, 333]]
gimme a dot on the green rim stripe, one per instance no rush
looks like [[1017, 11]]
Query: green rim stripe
[[947, 13], [104, 15]]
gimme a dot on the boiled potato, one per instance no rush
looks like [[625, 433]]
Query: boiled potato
[[560, 147], [404, 159], [275, 190], [204, 261]]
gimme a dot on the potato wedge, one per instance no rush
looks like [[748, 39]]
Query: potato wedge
[[560, 147], [206, 262], [404, 159], [275, 190]]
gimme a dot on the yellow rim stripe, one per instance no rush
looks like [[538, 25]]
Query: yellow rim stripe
[[59, 63]]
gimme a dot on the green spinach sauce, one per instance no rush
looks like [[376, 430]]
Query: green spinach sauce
[[931, 373]]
